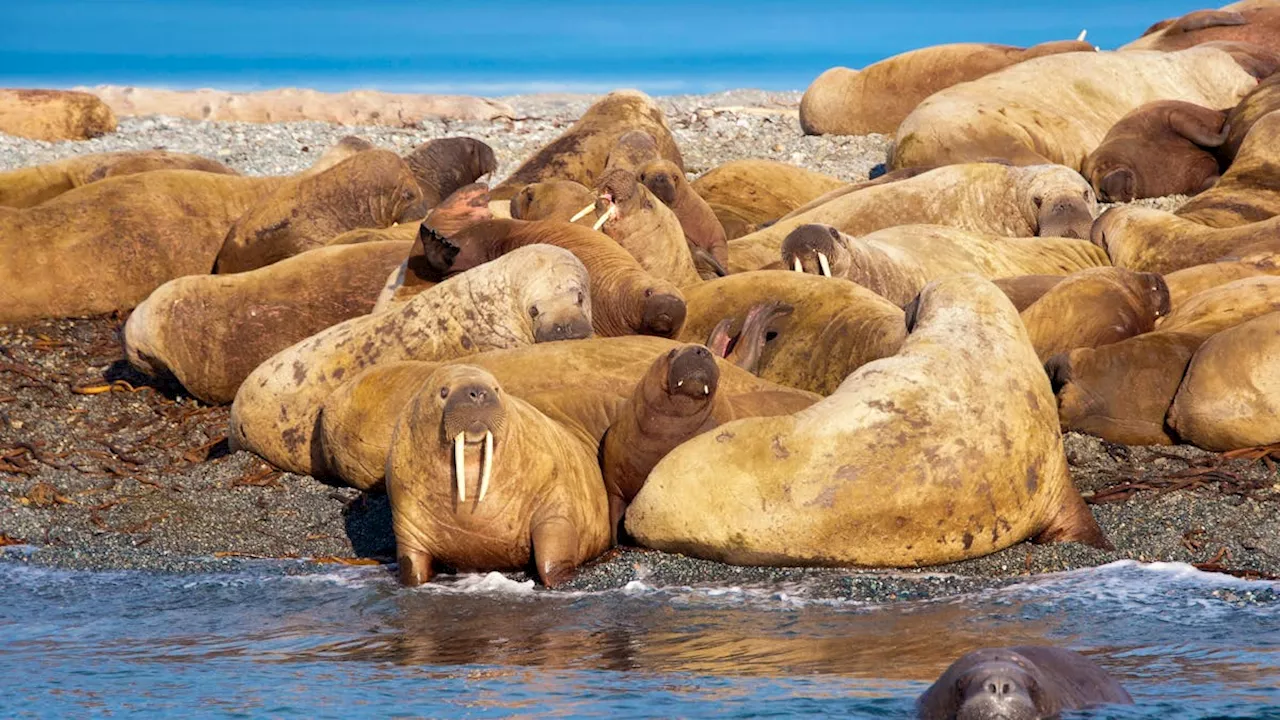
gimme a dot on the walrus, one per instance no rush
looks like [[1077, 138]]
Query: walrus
[[370, 189], [357, 420], [1260, 102], [1095, 307], [746, 193], [346, 147], [1186, 282], [880, 179], [480, 480], [677, 399], [627, 212], [626, 299], [210, 331], [897, 262], [1258, 26], [533, 294], [1152, 240], [1018, 683], [633, 150], [1122, 392], [554, 200], [835, 326], [107, 245], [702, 231], [900, 467], [443, 165], [745, 348], [1058, 108], [580, 153], [1230, 397], [876, 98], [30, 186], [1162, 148], [1046, 200], [1024, 290], [1249, 191], [54, 115]]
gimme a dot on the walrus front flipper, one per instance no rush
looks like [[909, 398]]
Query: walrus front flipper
[[1201, 125], [415, 567], [1074, 522], [555, 546], [707, 265]]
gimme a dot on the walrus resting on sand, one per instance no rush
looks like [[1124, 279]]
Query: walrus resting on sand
[[53, 115], [1162, 148], [1095, 307], [900, 467], [745, 193], [480, 480], [30, 186], [1152, 240], [533, 294], [1018, 683]]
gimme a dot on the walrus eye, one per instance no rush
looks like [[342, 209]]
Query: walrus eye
[[444, 393], [580, 297], [533, 311], [1038, 201], [648, 292], [834, 233]]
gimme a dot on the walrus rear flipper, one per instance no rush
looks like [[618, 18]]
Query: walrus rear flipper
[[1074, 522], [432, 255], [707, 265], [761, 321]]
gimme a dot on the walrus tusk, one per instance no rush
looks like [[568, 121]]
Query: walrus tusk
[[795, 265], [488, 465], [826, 267], [680, 384], [460, 466], [613, 209], [582, 213], [1080, 38], [706, 389]]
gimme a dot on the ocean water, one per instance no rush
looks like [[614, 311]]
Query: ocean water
[[263, 642], [504, 47]]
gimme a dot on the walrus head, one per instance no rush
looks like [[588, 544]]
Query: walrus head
[[617, 191], [663, 179], [1118, 185], [816, 249], [557, 303], [634, 149], [1156, 291], [663, 312], [692, 377], [998, 689], [473, 418], [1058, 201], [763, 323], [552, 200], [444, 165], [1111, 225]]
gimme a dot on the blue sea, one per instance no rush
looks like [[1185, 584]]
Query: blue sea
[[503, 48]]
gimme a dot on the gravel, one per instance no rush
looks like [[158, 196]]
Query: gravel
[[139, 476]]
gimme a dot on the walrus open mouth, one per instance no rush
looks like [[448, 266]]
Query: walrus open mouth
[[610, 211]]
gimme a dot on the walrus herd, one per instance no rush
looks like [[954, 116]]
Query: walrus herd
[[760, 365]]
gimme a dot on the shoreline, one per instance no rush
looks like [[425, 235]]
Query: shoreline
[[103, 468]]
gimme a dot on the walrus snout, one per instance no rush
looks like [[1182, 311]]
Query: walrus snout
[[693, 373], [1067, 217], [663, 315], [998, 692], [814, 242], [1098, 231], [471, 409], [660, 183], [1118, 185], [1058, 368], [570, 328]]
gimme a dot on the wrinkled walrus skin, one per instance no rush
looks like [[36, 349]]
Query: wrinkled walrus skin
[[1193, 280], [946, 451], [371, 189], [1047, 200], [1230, 396], [745, 193], [878, 97], [537, 293], [1259, 26], [107, 245], [1249, 191], [1057, 109], [525, 488], [210, 331], [1151, 240], [1095, 307], [1262, 101], [1162, 148], [581, 152], [53, 115], [30, 186], [630, 214]]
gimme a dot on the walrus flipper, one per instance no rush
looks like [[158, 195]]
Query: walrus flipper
[[555, 546], [1074, 522]]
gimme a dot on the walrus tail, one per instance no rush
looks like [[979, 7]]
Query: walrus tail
[[1074, 522]]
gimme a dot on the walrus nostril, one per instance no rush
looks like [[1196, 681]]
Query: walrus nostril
[[663, 315]]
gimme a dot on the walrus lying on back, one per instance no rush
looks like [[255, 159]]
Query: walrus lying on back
[[876, 98], [30, 186]]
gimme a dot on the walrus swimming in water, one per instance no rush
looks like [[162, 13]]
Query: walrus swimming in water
[[1249, 191], [581, 152], [53, 115], [1162, 148], [878, 97], [900, 467], [30, 186], [1057, 109], [1018, 683], [1095, 307]]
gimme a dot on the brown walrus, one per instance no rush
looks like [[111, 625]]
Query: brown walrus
[[1152, 240], [1095, 307], [107, 245], [210, 331], [627, 212], [702, 231], [1046, 200], [554, 200], [632, 151], [834, 328], [1259, 26], [30, 186], [1230, 396], [677, 399], [745, 193], [443, 165], [1122, 392], [897, 262], [370, 189], [1159, 149], [1058, 108], [532, 294], [1263, 100], [347, 146], [1024, 290], [626, 299], [900, 467], [357, 420], [877, 97], [1186, 282], [1018, 683], [480, 480], [580, 153], [53, 115], [1249, 191]]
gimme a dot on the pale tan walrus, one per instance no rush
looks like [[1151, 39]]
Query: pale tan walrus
[[30, 186], [53, 115], [948, 450], [1249, 191], [534, 294], [743, 194], [1151, 240]]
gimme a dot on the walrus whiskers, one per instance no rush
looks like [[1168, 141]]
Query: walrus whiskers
[[460, 465], [795, 265], [487, 466], [608, 214], [582, 213], [826, 267]]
